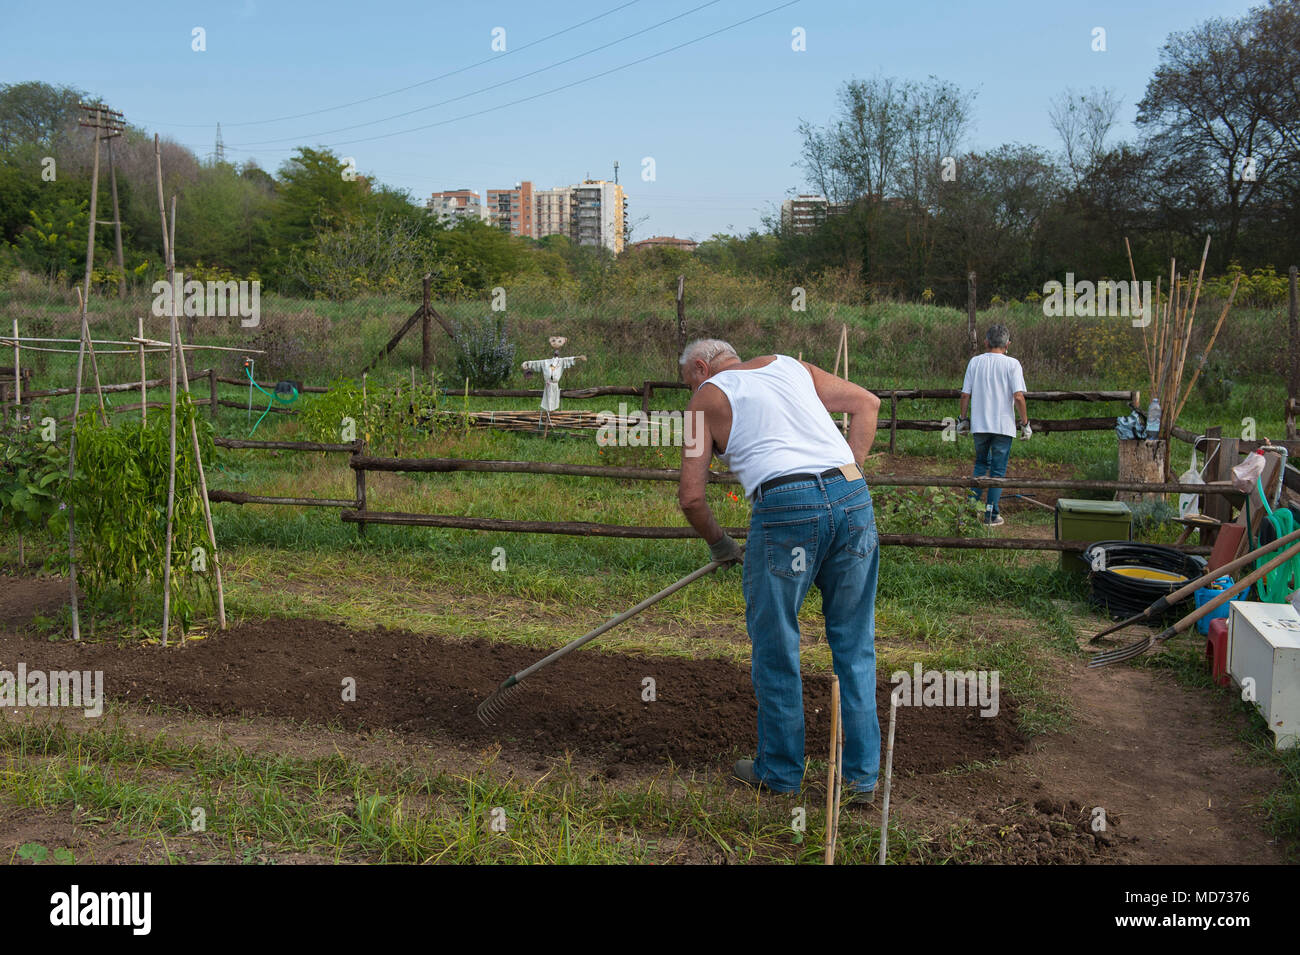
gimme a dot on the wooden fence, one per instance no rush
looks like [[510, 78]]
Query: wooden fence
[[357, 512]]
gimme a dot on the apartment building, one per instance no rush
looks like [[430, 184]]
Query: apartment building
[[456, 204], [512, 209]]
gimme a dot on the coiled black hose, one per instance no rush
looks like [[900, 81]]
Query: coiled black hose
[[1122, 596]]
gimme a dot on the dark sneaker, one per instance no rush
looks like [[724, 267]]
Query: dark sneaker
[[857, 797], [994, 521], [743, 770]]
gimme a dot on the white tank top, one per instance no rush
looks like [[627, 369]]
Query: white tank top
[[778, 424]]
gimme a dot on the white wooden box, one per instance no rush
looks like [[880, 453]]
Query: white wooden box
[[1264, 647]]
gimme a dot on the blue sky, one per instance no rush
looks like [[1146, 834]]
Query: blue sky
[[718, 116]]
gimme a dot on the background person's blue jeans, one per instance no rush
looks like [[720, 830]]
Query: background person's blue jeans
[[991, 454], [819, 531]]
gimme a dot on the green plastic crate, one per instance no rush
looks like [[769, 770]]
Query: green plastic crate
[[1090, 521]]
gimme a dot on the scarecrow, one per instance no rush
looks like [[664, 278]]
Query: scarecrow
[[551, 370]]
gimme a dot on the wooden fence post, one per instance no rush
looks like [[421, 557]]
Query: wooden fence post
[[359, 446], [681, 320], [426, 331], [212, 393], [893, 419], [970, 313]]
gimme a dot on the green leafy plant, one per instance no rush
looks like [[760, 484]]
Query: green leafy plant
[[119, 497], [937, 512], [32, 472], [35, 852], [387, 418]]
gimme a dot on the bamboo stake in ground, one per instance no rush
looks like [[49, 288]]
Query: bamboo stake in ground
[[81, 355], [889, 772], [832, 774], [203, 496], [169, 259], [144, 397], [94, 366], [1200, 366], [1146, 311]]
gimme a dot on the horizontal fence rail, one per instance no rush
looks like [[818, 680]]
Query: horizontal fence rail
[[362, 462]]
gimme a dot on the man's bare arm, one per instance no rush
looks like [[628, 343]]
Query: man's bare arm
[[837, 395], [964, 405], [1021, 407], [695, 469]]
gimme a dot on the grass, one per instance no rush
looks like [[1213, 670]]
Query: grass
[[260, 807], [962, 610]]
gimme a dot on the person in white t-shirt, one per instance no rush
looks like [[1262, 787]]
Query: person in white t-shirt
[[994, 395]]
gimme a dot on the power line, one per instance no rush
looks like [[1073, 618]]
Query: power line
[[557, 89], [433, 79], [486, 89]]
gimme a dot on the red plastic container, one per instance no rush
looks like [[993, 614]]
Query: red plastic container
[[1216, 652]]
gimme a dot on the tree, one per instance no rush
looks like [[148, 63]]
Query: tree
[[35, 113], [1220, 115], [1083, 121]]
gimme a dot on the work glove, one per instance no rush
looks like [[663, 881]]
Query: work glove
[[963, 425], [1026, 432], [726, 549]]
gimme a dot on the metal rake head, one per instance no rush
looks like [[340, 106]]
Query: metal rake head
[[1120, 654], [490, 709]]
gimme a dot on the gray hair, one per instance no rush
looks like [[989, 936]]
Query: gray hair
[[707, 350], [997, 336]]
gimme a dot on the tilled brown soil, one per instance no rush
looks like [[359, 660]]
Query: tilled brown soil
[[589, 704]]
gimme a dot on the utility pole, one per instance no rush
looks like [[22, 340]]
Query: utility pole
[[110, 124]]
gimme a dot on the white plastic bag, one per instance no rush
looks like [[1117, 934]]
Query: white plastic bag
[[1247, 474], [1187, 502]]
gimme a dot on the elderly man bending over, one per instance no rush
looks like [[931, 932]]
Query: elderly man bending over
[[769, 420]]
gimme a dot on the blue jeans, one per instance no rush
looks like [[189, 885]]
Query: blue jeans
[[820, 531], [991, 454]]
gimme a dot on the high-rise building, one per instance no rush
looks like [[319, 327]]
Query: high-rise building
[[598, 214], [512, 209], [456, 204], [551, 211]]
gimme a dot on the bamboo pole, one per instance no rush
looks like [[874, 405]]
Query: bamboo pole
[[144, 398], [889, 774], [94, 365], [18, 415], [1170, 419], [1200, 366], [832, 777], [203, 492], [76, 401], [844, 337], [18, 377], [171, 437], [1146, 314]]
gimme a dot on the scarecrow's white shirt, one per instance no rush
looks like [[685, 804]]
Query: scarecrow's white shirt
[[552, 370]]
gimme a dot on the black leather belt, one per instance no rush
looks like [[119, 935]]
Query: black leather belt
[[768, 486]]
